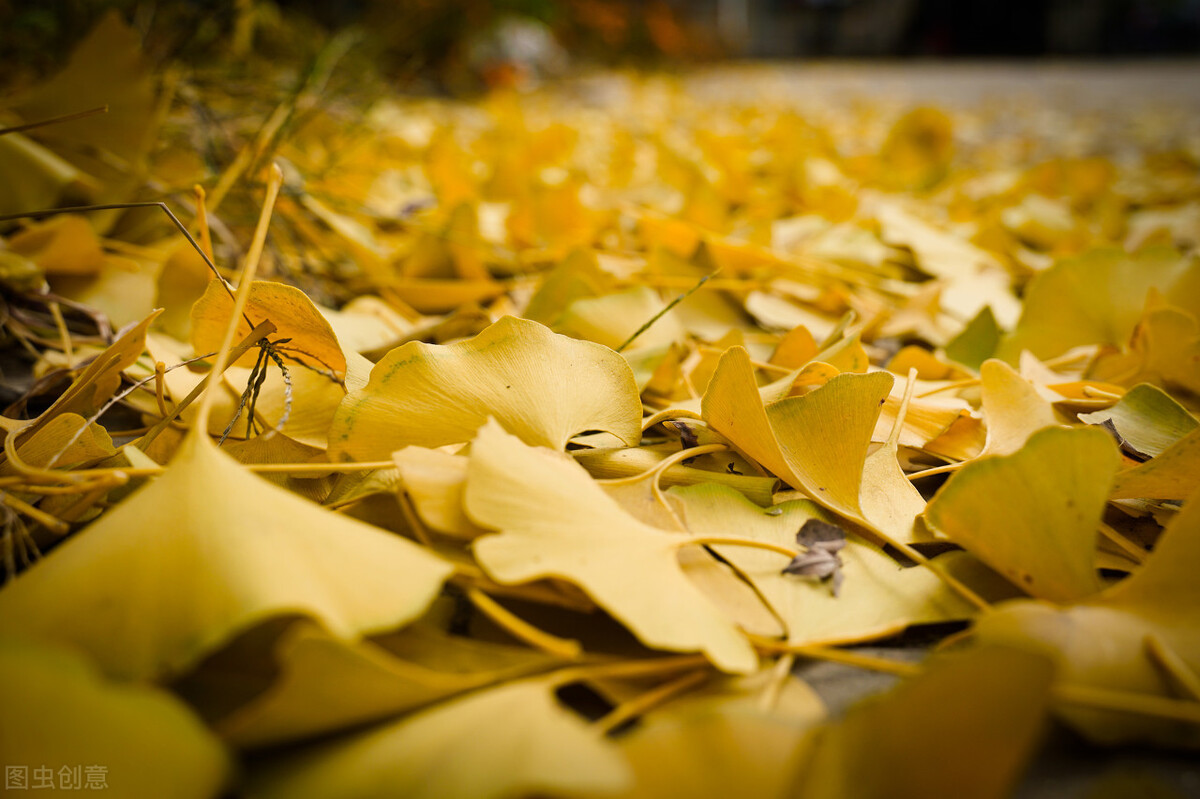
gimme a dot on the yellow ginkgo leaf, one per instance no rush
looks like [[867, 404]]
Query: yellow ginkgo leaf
[[543, 387], [327, 684], [312, 341], [714, 745], [1012, 408], [65, 245], [106, 68], [434, 481], [1033, 515], [824, 436], [1138, 636], [1172, 474], [64, 441], [828, 432], [102, 377], [1165, 350], [877, 597], [134, 741], [887, 498], [512, 740], [554, 521], [978, 713], [1098, 298], [204, 551]]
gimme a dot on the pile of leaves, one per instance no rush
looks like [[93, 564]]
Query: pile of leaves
[[637, 392]]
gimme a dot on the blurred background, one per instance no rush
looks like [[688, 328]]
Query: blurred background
[[457, 42]]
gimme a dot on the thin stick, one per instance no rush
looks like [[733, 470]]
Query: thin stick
[[77, 209], [41, 123], [202, 221], [414, 521], [261, 331], [664, 311], [945, 469], [523, 630], [643, 703], [240, 298]]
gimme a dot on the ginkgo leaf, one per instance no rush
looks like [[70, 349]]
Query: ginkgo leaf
[[576, 277], [1164, 349], [435, 481], [816, 443], [204, 551], [887, 498], [1172, 474], [718, 745], [327, 684], [1105, 640], [1012, 407], [102, 377], [57, 712], [979, 713], [544, 387], [1147, 418], [106, 68], [288, 308], [877, 597], [554, 521], [65, 245], [1033, 515], [512, 740], [48, 445], [1098, 298], [977, 341]]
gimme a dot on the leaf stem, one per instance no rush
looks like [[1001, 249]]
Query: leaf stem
[[239, 300], [521, 629], [643, 703], [753, 543]]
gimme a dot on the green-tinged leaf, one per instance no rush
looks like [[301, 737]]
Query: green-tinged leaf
[[138, 741], [1147, 418], [1033, 515], [1098, 298]]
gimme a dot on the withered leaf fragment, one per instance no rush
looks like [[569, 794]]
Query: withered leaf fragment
[[822, 541]]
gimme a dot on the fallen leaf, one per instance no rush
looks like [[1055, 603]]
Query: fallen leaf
[[521, 742], [58, 713], [1033, 515], [877, 598], [544, 387], [980, 712], [554, 521], [239, 551]]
